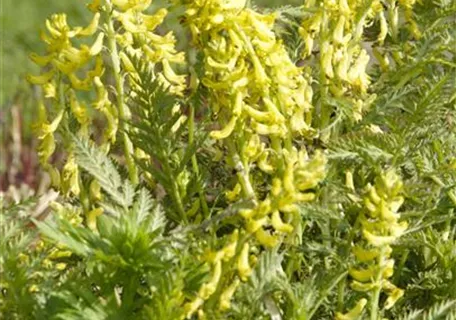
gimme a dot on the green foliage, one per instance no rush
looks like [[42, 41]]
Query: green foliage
[[177, 214]]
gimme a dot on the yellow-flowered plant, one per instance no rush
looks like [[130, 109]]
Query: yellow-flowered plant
[[267, 114], [263, 102], [380, 228], [335, 30], [74, 84]]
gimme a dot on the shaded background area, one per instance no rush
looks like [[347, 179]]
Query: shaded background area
[[21, 22]]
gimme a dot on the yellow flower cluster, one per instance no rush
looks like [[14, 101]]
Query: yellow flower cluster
[[263, 102], [380, 228], [335, 29], [67, 69], [209, 288], [137, 39], [71, 66]]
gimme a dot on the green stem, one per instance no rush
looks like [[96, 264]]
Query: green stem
[[121, 107], [325, 292], [375, 295], [191, 138], [341, 295], [401, 265], [175, 194]]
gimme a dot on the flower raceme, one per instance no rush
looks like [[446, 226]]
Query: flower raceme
[[71, 68], [335, 29], [380, 228], [263, 102]]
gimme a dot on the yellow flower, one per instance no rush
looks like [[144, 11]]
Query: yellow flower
[[98, 45], [41, 79], [91, 218], [363, 275], [34, 288], [92, 27], [338, 34], [225, 297], [326, 59], [61, 266], [209, 288], [279, 225], [353, 313], [265, 238], [191, 307], [243, 265], [226, 131], [230, 249], [395, 295], [383, 28], [41, 60]]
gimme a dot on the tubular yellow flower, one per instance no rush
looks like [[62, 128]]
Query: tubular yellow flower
[[364, 255], [91, 218], [70, 177], [378, 241], [41, 60], [326, 59], [98, 45], [226, 131], [338, 35], [253, 225], [92, 27], [353, 313], [265, 238], [41, 79], [279, 225], [60, 266], [363, 275], [362, 287], [230, 249], [243, 265], [191, 307], [225, 297], [209, 288], [393, 297], [383, 28]]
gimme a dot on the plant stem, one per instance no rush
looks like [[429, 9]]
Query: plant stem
[[375, 295], [324, 293], [341, 295], [121, 108], [175, 194], [191, 134]]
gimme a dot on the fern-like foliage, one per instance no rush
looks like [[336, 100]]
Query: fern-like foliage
[[104, 171], [160, 131]]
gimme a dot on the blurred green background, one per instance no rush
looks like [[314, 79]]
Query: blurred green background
[[21, 22]]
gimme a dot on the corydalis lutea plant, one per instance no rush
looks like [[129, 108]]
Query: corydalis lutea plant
[[336, 31], [263, 103], [260, 111], [135, 40], [379, 227], [72, 69]]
